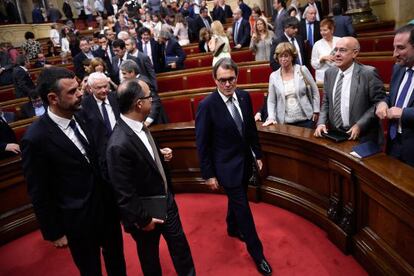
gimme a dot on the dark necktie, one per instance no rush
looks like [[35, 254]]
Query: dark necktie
[[236, 116], [145, 49], [156, 155], [337, 103], [236, 33], [80, 137], [310, 36], [400, 102], [106, 119]]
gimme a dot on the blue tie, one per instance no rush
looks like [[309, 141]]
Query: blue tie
[[400, 102], [310, 36], [106, 119]]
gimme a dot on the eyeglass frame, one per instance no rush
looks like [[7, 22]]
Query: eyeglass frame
[[343, 50], [230, 80]]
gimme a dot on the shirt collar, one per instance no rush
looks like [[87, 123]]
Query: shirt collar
[[99, 101], [63, 123], [349, 70], [225, 98], [24, 68], [133, 124]]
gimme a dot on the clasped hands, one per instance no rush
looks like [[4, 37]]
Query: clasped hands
[[384, 112]]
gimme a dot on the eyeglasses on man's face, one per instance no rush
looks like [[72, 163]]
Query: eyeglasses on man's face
[[342, 50], [146, 97], [230, 80]]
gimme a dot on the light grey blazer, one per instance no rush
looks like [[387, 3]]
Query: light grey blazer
[[367, 89], [309, 102]]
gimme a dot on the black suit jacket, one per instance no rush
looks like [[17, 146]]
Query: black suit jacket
[[77, 62], [28, 110], [273, 63], [133, 173], [173, 49], [303, 31], [155, 53], [6, 136], [243, 35], [221, 15], [199, 23], [67, 193], [223, 152], [23, 84]]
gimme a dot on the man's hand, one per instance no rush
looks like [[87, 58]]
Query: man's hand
[[151, 226], [258, 117], [212, 183], [394, 113], [15, 148], [167, 153], [1, 70], [259, 164], [269, 122], [381, 110], [319, 129], [61, 242], [354, 132], [173, 65]]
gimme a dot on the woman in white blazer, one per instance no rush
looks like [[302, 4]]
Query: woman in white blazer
[[293, 95]]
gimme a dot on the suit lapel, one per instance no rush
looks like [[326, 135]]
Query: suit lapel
[[396, 86], [224, 110], [354, 87], [114, 104]]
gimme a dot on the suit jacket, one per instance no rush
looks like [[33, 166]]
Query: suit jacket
[[407, 117], [105, 56], [133, 173], [221, 15], [223, 152], [275, 64], [343, 26], [243, 35], [155, 54], [6, 135], [200, 23], [366, 91], [278, 23], [77, 62], [303, 30], [23, 84], [28, 110], [66, 190], [173, 49]]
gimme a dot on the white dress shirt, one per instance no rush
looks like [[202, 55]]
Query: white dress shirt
[[296, 44], [149, 50], [63, 124], [136, 126], [345, 93], [111, 114], [227, 102]]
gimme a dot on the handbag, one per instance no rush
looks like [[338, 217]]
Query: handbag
[[219, 47]]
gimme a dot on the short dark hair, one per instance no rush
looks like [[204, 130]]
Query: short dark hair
[[225, 63], [21, 60], [34, 94], [48, 81], [84, 38], [143, 30], [29, 35], [283, 3], [409, 28], [128, 93], [337, 9], [118, 43], [290, 21], [101, 36], [202, 9]]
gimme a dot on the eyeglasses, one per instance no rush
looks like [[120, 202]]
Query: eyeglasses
[[342, 50], [230, 80], [144, 98]]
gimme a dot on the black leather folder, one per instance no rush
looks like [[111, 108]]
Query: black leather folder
[[156, 206], [336, 135]]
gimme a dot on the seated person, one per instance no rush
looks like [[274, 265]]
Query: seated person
[[8, 141], [174, 55], [6, 66], [33, 108], [41, 61], [23, 83]]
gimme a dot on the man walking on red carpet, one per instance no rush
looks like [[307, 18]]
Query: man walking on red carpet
[[228, 144]]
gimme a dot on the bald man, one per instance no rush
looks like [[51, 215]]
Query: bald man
[[351, 91], [241, 30]]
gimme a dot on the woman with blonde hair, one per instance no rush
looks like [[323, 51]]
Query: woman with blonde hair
[[261, 41], [98, 65], [181, 30], [293, 95], [219, 43]]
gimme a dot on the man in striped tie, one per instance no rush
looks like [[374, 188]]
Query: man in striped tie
[[398, 107], [351, 91]]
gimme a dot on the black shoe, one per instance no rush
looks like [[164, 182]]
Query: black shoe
[[264, 267], [236, 234]]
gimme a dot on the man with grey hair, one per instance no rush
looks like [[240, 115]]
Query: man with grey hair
[[124, 35], [173, 55], [129, 70], [228, 148], [241, 30]]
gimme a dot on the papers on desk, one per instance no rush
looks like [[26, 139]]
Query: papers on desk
[[365, 149]]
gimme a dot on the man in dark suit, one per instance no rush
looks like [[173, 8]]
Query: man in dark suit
[[85, 53], [34, 107], [130, 71], [105, 51], [136, 170], [228, 145], [150, 47], [171, 49], [316, 5], [203, 20], [351, 92], [72, 204], [41, 61], [8, 141], [279, 16], [309, 28], [246, 10], [398, 107], [343, 23], [221, 11], [6, 66], [241, 30], [22, 81], [291, 25]]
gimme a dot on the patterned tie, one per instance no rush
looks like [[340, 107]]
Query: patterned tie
[[310, 36], [145, 49], [337, 103], [106, 119], [400, 103], [236, 115], [80, 137], [236, 33], [156, 155]]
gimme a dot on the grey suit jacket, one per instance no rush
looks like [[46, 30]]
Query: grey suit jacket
[[309, 101], [367, 89], [278, 23]]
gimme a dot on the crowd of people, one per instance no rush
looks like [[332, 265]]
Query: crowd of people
[[92, 143]]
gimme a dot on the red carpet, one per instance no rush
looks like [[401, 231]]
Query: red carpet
[[293, 246]]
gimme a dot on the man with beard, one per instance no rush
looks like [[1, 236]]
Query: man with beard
[[72, 204]]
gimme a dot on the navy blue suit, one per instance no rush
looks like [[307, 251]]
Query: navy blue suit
[[243, 34], [403, 146], [6, 134], [155, 53], [226, 154], [343, 26], [274, 63], [173, 49]]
